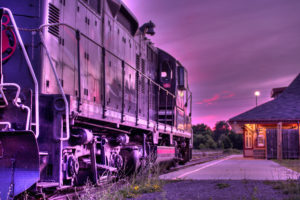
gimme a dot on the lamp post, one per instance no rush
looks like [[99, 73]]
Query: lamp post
[[257, 94]]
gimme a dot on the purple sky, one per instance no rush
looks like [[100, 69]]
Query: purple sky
[[231, 48]]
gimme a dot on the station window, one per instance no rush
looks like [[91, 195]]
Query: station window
[[248, 140], [260, 141]]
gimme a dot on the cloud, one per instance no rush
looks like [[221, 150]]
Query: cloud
[[217, 97], [207, 119]]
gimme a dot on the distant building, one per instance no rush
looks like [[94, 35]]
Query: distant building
[[277, 91], [271, 130]]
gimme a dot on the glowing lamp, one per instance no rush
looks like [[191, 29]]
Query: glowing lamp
[[257, 94], [180, 93]]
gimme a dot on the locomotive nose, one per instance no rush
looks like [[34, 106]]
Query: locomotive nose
[[19, 162]]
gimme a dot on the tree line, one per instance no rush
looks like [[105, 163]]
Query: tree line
[[221, 137]]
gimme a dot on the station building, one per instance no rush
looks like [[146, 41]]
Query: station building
[[271, 130]]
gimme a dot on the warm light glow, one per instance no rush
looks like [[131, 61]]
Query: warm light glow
[[180, 93], [163, 74], [257, 93]]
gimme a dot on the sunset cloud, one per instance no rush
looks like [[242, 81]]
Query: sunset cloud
[[217, 97]]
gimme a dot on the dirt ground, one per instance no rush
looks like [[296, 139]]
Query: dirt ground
[[215, 190]]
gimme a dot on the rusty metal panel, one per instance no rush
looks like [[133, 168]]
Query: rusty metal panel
[[130, 92], [68, 60], [49, 84], [94, 27], [84, 57], [113, 86], [143, 95], [81, 18], [108, 33], [94, 72], [69, 9]]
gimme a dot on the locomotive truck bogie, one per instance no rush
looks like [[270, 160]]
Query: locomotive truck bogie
[[98, 96]]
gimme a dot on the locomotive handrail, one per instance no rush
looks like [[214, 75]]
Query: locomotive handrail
[[61, 90], [8, 124], [16, 103], [87, 37], [36, 85]]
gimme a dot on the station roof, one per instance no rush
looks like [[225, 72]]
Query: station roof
[[285, 108]]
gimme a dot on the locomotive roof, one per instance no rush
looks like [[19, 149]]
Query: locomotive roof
[[160, 50], [128, 10]]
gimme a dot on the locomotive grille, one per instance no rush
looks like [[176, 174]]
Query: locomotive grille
[[53, 18]]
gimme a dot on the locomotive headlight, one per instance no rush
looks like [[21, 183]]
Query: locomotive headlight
[[180, 93], [163, 74]]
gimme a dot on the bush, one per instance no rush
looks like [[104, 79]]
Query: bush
[[202, 146], [224, 142], [210, 143], [236, 139], [222, 137], [204, 142]]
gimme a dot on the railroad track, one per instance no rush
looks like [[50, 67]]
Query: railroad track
[[198, 158], [73, 193]]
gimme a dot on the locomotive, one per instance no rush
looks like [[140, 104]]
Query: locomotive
[[84, 94]]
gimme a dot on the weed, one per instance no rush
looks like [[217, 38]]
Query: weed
[[289, 187], [232, 151], [254, 193], [291, 164], [222, 185], [145, 180], [268, 182]]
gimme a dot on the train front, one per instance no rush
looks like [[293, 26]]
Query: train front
[[19, 154]]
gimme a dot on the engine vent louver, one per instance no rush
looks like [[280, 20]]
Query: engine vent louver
[[53, 17]]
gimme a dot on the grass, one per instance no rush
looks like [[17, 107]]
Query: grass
[[291, 164], [222, 185], [290, 187], [232, 151], [145, 181]]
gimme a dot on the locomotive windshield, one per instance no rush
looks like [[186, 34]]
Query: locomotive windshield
[[166, 74]]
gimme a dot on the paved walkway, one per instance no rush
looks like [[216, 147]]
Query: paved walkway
[[234, 167]]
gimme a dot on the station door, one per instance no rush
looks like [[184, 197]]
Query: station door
[[271, 143], [290, 144]]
